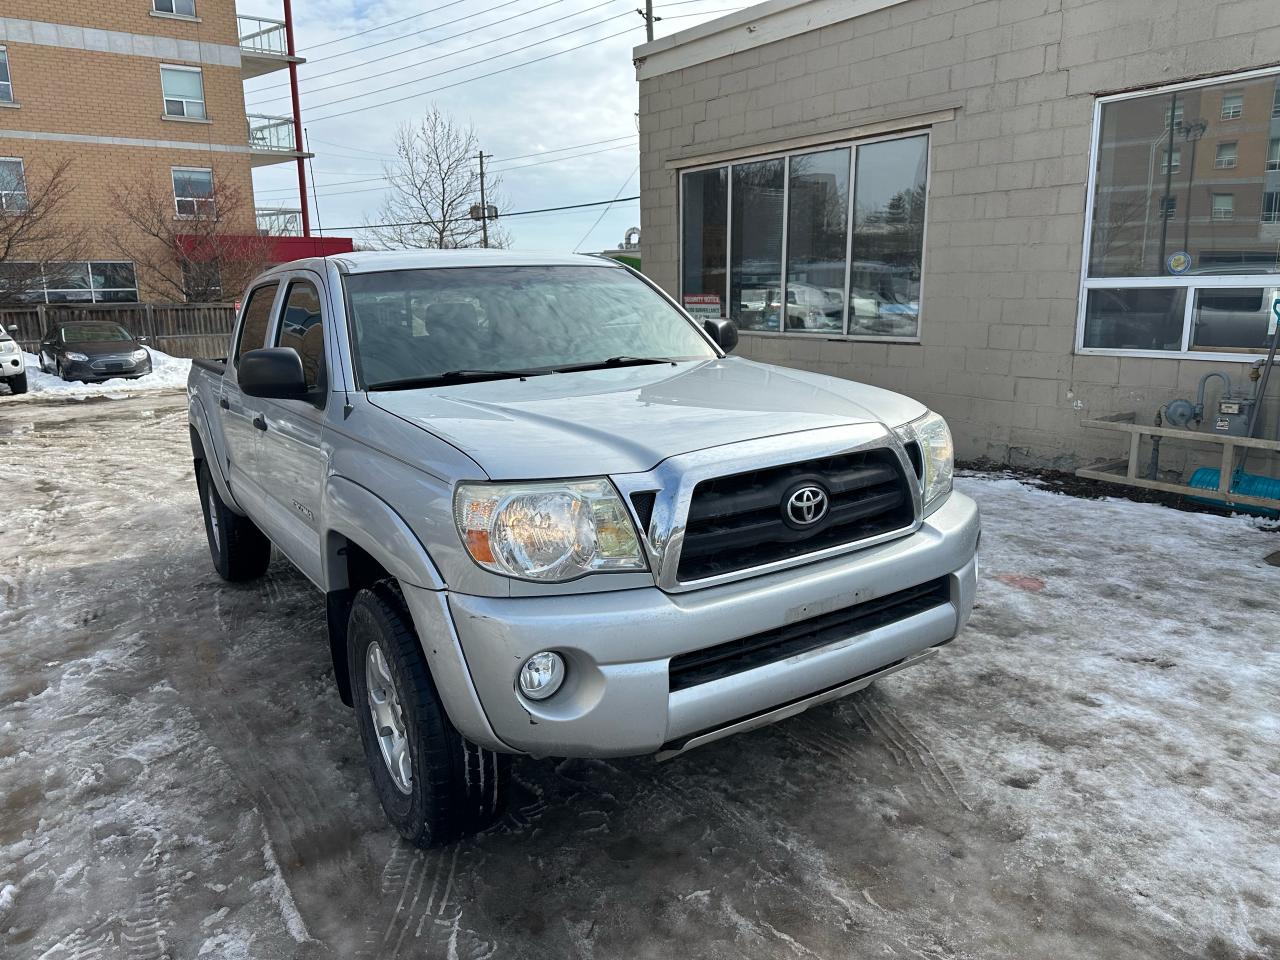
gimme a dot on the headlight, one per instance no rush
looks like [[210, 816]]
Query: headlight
[[938, 453], [546, 531], [8, 346], [140, 355], [72, 355]]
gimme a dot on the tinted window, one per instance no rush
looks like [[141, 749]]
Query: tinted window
[[257, 316], [93, 333], [300, 328]]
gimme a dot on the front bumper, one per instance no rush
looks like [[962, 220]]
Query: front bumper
[[11, 365], [617, 699], [83, 371]]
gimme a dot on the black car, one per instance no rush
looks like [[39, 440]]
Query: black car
[[91, 350]]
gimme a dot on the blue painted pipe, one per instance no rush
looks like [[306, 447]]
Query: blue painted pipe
[[1249, 484]]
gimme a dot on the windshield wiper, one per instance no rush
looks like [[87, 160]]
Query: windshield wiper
[[456, 376], [613, 362]]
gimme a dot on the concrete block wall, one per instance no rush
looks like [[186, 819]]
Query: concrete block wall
[[1007, 192]]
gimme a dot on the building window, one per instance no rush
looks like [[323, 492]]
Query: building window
[[1275, 103], [193, 193], [75, 282], [183, 89], [1165, 239], [6, 82], [1172, 161], [13, 186], [816, 242], [178, 8], [1271, 206]]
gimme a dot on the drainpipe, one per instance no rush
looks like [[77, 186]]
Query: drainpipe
[[297, 119]]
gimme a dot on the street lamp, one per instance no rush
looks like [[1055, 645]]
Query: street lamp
[[1191, 133]]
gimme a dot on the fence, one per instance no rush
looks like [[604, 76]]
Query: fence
[[178, 329]]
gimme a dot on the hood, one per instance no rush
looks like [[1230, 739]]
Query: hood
[[628, 420]]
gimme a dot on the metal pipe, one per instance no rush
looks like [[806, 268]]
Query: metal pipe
[[1226, 389], [297, 118]]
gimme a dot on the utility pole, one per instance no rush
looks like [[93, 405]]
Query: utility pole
[[1168, 187], [484, 208], [649, 19], [297, 117]]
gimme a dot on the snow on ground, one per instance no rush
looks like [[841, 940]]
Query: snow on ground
[[1091, 770], [167, 373]]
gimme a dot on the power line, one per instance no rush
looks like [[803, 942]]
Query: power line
[[518, 213], [520, 166], [405, 36], [430, 43], [593, 143], [606, 209], [483, 76], [464, 66], [383, 26]]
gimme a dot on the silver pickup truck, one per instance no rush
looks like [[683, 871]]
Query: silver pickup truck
[[551, 516]]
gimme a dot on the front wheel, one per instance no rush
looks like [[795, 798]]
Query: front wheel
[[433, 784], [240, 551], [18, 384]]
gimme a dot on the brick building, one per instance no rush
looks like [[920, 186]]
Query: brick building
[[1026, 213], [138, 92]]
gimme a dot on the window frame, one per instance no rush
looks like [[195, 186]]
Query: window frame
[[193, 15], [22, 174], [1194, 284], [8, 101], [1223, 160], [786, 154], [164, 98], [211, 199]]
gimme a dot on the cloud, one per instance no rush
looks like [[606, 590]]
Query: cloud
[[580, 97]]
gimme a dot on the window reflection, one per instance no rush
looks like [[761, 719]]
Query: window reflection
[[817, 238], [755, 267], [704, 242], [1135, 319], [1233, 319], [888, 238]]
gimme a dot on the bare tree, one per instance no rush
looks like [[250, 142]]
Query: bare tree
[[188, 248], [434, 183], [38, 234]]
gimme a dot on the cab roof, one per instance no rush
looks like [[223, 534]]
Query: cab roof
[[380, 260]]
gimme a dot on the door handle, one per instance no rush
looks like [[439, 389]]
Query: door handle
[[222, 402], [260, 422]]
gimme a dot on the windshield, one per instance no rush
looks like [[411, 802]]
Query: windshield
[[93, 333], [419, 324]]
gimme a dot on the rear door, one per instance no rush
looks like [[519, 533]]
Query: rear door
[[241, 416], [292, 460]]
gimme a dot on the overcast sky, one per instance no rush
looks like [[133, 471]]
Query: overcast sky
[[577, 97]]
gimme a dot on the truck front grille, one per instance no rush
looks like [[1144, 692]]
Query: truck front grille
[[735, 656], [740, 521]]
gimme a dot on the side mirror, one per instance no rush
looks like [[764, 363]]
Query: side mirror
[[143, 339], [13, 328], [274, 373], [723, 332]]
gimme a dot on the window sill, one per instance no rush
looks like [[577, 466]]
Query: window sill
[[165, 116], [1249, 358], [11, 104], [174, 16], [851, 337]]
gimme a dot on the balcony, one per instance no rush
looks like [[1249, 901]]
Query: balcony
[[271, 140], [279, 221], [264, 46]]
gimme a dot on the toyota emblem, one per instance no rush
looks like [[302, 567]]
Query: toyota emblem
[[807, 505]]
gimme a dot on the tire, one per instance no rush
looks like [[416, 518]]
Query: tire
[[454, 787], [240, 551], [18, 384]]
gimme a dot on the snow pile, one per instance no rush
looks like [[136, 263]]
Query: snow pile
[[167, 373]]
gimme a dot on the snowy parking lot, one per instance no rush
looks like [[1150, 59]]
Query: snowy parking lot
[[1091, 770]]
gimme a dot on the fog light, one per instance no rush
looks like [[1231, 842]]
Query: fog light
[[541, 675]]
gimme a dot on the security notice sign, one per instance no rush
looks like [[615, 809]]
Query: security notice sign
[[703, 306]]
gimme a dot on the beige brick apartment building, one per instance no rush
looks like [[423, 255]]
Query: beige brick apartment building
[[135, 92], [1026, 213]]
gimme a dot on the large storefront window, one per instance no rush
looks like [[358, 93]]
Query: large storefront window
[[95, 281], [1184, 253], [824, 241]]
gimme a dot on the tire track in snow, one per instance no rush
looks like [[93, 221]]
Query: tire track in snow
[[915, 751]]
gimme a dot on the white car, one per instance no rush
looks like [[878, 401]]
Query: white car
[[13, 369]]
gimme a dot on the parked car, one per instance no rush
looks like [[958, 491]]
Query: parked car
[[551, 516], [13, 369], [93, 350]]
